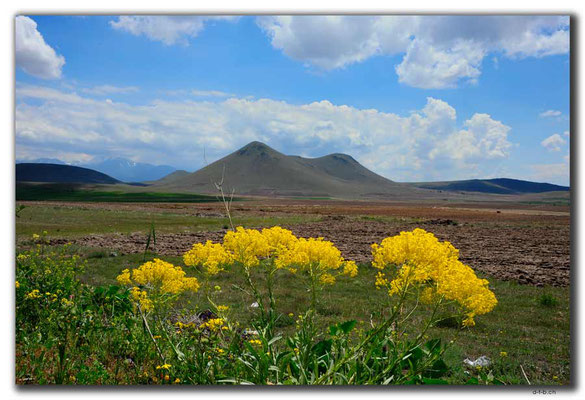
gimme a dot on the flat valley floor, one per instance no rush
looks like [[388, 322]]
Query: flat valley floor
[[523, 249], [526, 243]]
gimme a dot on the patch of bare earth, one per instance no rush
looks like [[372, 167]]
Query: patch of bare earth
[[531, 249]]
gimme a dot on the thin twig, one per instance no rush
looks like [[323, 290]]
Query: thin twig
[[524, 373], [219, 186], [150, 333]]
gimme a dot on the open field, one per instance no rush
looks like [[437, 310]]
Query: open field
[[523, 250]]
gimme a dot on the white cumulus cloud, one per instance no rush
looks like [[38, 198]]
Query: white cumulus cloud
[[426, 144], [439, 51], [170, 29], [32, 54], [553, 142]]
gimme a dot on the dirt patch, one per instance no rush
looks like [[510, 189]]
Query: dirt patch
[[535, 254]]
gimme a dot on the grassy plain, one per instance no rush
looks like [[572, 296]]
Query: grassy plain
[[527, 336]]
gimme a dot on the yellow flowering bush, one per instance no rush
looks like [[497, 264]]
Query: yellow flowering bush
[[247, 246], [160, 275], [418, 259], [212, 256], [316, 256], [279, 239], [160, 278]]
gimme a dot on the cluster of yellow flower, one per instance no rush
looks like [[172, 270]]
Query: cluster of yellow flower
[[318, 257], [213, 324], [34, 294], [422, 260], [212, 256], [157, 275], [141, 297], [160, 275], [249, 246]]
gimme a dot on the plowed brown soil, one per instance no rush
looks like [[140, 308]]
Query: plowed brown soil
[[528, 244]]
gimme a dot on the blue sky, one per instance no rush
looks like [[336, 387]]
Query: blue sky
[[412, 98]]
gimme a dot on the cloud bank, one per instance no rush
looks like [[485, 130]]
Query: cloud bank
[[427, 144], [439, 51]]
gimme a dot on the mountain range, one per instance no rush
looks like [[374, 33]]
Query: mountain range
[[257, 169], [122, 169], [41, 172]]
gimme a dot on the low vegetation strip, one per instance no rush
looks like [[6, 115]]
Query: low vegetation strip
[[243, 321], [76, 193]]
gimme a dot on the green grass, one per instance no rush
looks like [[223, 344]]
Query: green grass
[[76, 192], [64, 221], [533, 336], [530, 325]]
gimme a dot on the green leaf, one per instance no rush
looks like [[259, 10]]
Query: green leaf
[[333, 329], [438, 369], [472, 381], [347, 326], [323, 347], [433, 345]]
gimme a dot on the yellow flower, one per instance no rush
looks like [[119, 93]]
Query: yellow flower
[[213, 324], [255, 342], [159, 275], [327, 279], [212, 256], [157, 337], [167, 377], [164, 366], [124, 277], [247, 246], [177, 380], [381, 280], [350, 268], [66, 303], [217, 288], [291, 315], [279, 239], [222, 308], [423, 260], [141, 297], [35, 294], [35, 236], [503, 354], [17, 285]]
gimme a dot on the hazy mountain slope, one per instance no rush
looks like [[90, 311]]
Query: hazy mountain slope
[[173, 176], [258, 169], [36, 172], [130, 171]]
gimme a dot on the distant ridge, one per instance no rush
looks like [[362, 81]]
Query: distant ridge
[[257, 169], [496, 186], [119, 168], [39, 172]]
